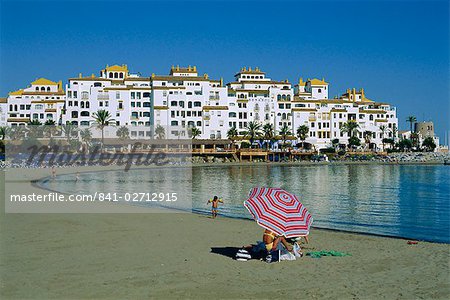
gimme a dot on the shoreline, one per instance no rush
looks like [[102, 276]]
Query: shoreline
[[33, 182]]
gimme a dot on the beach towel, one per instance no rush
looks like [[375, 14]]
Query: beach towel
[[319, 254]]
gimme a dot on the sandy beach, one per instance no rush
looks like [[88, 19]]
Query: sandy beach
[[183, 255]]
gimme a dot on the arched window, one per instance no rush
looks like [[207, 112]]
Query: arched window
[[11, 107], [48, 89], [84, 113], [279, 97], [121, 75], [371, 117], [97, 84], [35, 116], [74, 114], [116, 75], [146, 95], [87, 104], [283, 116], [189, 104], [289, 97], [110, 75], [320, 90], [191, 124], [42, 89], [283, 97], [75, 123], [37, 88], [199, 123]]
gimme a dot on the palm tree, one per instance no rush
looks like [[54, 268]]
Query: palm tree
[[160, 132], [411, 120], [86, 136], [69, 130], [394, 132], [268, 133], [103, 118], [383, 130], [285, 132], [195, 132], [367, 137], [232, 135], [253, 130], [302, 133], [351, 127], [3, 132], [123, 133], [49, 128], [34, 128]]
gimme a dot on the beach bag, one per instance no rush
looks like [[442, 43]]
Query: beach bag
[[274, 256], [243, 255]]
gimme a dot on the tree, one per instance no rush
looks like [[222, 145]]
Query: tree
[[123, 133], [253, 130], [335, 143], [3, 132], [160, 132], [49, 128], [195, 132], [34, 129], [394, 132], [405, 144], [383, 130], [354, 141], [86, 136], [232, 135], [429, 144], [302, 134], [351, 127], [69, 130], [103, 118], [268, 133], [367, 137], [411, 120], [284, 133]]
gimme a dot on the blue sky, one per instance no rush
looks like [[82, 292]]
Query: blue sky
[[397, 50]]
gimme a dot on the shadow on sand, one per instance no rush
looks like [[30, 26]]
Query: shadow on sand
[[225, 251]]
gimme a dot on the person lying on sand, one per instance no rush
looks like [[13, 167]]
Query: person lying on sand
[[215, 206]]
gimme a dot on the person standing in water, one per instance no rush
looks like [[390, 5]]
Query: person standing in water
[[214, 206]]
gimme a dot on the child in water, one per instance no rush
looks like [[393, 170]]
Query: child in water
[[215, 205]]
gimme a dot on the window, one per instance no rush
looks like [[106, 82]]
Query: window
[[84, 113], [174, 123]]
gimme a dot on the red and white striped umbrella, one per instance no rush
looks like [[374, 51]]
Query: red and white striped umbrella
[[279, 211]]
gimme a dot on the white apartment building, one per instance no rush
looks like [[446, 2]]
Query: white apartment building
[[125, 96], [43, 100], [183, 99], [253, 97], [325, 117]]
